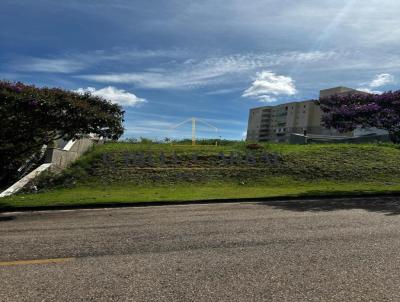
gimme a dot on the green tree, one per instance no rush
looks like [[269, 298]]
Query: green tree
[[31, 117]]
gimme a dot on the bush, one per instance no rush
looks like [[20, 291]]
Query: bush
[[254, 147]]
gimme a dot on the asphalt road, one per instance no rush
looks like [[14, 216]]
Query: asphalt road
[[344, 250]]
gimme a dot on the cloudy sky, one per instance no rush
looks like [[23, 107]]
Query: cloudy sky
[[168, 60]]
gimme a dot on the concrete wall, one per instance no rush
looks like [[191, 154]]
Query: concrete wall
[[62, 158], [310, 139], [369, 131], [56, 160]]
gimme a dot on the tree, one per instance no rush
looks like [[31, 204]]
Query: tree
[[345, 113], [32, 117]]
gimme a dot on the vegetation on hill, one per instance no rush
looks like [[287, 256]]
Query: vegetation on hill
[[125, 162], [125, 172]]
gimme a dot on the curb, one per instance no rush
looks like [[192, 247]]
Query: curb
[[331, 197]]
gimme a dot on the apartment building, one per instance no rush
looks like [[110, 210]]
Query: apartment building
[[276, 123]]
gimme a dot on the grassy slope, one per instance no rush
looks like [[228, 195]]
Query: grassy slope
[[303, 170]]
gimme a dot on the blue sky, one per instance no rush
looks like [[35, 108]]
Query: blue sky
[[166, 61]]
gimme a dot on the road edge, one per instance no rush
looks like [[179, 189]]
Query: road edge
[[7, 209]]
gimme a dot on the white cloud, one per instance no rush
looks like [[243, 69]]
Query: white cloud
[[115, 95], [194, 73], [368, 90], [223, 91], [140, 79], [267, 86], [50, 65], [73, 62], [381, 80]]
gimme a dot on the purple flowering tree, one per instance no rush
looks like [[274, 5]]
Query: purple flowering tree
[[31, 117], [346, 113]]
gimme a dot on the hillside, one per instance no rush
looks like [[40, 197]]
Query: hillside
[[135, 172], [116, 163]]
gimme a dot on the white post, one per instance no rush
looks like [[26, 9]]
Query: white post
[[193, 131]]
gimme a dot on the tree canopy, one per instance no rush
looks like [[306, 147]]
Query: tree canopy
[[32, 117], [347, 112]]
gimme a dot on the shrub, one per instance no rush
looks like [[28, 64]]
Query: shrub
[[254, 147]]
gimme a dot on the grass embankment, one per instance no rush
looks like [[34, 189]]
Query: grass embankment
[[109, 174]]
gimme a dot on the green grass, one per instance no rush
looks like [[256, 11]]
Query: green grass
[[275, 187], [304, 170]]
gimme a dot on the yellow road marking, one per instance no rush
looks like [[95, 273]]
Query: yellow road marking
[[39, 261]]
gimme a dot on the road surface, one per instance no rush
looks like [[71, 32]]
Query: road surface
[[343, 250]]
